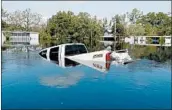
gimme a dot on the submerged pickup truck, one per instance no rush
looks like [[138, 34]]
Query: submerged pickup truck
[[57, 54], [72, 54]]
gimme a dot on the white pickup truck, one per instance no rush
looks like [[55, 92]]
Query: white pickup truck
[[72, 54], [57, 54]]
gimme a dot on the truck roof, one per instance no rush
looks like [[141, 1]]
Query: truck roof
[[69, 44], [64, 44]]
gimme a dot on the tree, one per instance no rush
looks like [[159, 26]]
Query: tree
[[68, 27], [134, 15], [4, 25], [118, 29], [4, 19], [45, 38], [15, 20], [119, 20], [105, 22], [30, 19], [156, 23], [22, 20], [5, 15], [135, 30]]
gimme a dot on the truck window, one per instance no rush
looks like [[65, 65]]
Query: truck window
[[43, 53], [54, 53], [74, 49], [69, 50], [82, 49]]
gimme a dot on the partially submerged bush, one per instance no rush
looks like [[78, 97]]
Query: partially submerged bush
[[159, 54]]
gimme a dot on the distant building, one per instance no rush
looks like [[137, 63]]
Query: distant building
[[108, 38], [169, 14], [3, 39], [129, 40], [24, 38], [149, 40]]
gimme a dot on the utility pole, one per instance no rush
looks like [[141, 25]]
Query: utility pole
[[56, 30], [115, 35], [91, 38]]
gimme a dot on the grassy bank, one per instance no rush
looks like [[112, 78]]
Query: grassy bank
[[159, 54]]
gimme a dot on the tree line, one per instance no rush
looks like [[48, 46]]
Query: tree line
[[66, 26], [63, 24]]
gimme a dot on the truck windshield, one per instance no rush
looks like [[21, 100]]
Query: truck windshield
[[74, 49]]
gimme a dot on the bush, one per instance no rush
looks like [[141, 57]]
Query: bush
[[159, 54]]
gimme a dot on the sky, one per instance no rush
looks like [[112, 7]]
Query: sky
[[101, 9]]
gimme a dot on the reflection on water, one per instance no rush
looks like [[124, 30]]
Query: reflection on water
[[19, 59], [142, 65], [61, 81], [36, 83], [97, 65], [100, 66], [146, 66]]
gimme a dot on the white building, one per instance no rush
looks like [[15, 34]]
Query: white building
[[148, 40], [168, 40], [22, 37], [129, 40], [141, 40], [3, 39], [34, 38], [108, 38]]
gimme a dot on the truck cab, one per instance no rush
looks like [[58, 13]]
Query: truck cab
[[58, 54]]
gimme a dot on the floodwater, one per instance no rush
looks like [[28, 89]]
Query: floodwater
[[28, 81]]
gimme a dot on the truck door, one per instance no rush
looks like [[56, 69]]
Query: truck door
[[54, 54], [70, 50]]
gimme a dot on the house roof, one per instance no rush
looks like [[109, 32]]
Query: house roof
[[21, 32]]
